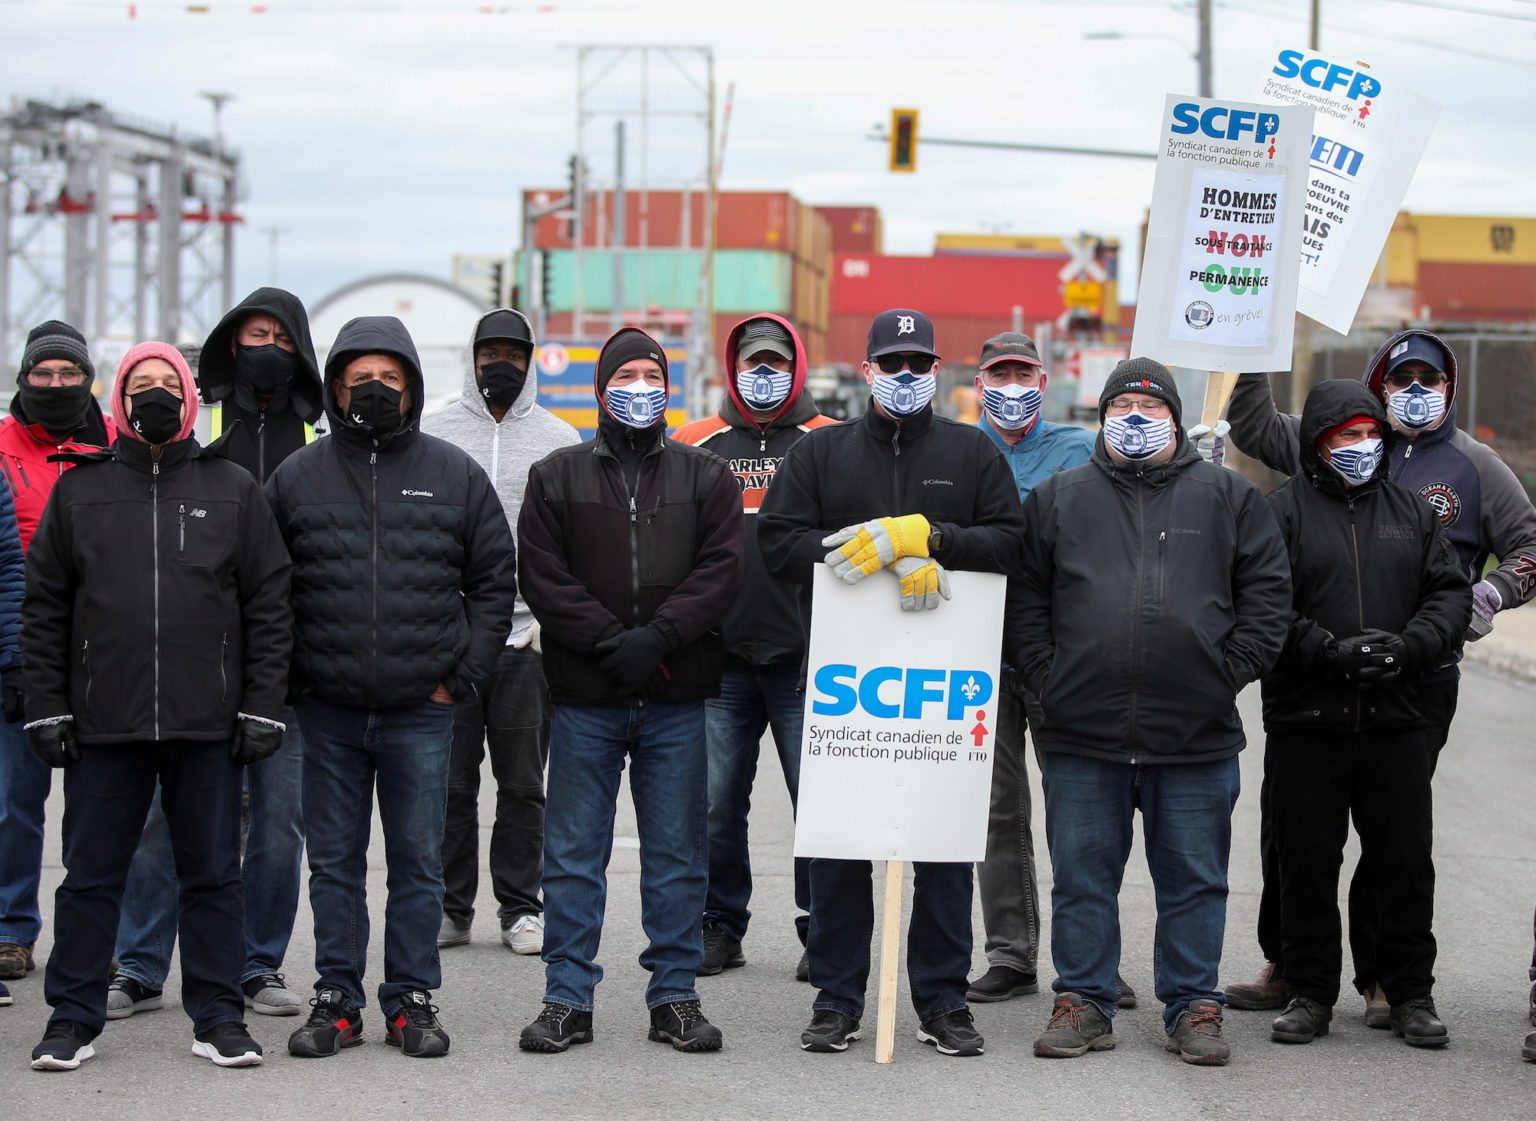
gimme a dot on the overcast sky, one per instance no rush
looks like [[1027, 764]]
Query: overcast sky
[[391, 134]]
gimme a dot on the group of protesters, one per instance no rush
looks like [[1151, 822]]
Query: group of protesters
[[232, 650]]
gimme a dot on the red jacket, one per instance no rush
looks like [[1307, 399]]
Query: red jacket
[[24, 452]]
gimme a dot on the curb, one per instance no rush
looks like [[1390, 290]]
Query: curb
[[1505, 658]]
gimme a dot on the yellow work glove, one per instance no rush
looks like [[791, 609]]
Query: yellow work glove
[[863, 550], [924, 583]]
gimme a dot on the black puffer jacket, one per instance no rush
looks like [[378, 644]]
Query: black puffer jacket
[[403, 570], [1371, 557], [1151, 595], [157, 602]]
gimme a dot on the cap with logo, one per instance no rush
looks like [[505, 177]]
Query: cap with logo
[[1417, 348], [1010, 346], [1143, 375], [764, 334], [901, 331]]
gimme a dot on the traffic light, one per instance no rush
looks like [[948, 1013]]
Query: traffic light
[[497, 270], [546, 277], [575, 176], [903, 140]]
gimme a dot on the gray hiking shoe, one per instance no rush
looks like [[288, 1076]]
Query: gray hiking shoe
[[1076, 1026], [1196, 1035]]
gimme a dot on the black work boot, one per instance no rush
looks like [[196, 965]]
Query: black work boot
[[683, 1025], [1303, 1020], [1416, 1021], [721, 951], [1002, 982]]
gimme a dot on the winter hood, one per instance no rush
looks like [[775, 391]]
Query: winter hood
[[1330, 404], [373, 334], [1375, 372], [184, 372], [796, 409], [216, 364], [525, 401]]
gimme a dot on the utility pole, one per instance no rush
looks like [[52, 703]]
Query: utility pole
[[273, 233], [1204, 53], [1315, 38], [616, 313]]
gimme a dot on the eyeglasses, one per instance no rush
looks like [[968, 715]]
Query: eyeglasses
[[1429, 379], [1152, 407], [70, 375], [894, 363]]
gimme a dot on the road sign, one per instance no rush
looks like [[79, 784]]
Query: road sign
[[554, 359], [1082, 294]]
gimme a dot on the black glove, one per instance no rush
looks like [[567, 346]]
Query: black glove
[[1372, 657], [54, 743], [633, 657], [254, 741], [11, 695]]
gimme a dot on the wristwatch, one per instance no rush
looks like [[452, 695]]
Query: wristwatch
[[935, 541]]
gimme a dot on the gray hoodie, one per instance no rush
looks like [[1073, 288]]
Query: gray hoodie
[[507, 450]]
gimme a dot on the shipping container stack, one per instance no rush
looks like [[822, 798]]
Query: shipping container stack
[[1463, 269]]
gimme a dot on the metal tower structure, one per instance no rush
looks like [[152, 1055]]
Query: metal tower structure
[[123, 228]]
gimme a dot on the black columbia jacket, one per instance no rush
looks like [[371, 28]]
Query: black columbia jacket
[[1371, 557]]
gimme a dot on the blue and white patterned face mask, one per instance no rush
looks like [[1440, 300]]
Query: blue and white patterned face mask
[[763, 387], [906, 393], [1416, 407], [1136, 437], [1011, 407], [637, 405], [1357, 463]]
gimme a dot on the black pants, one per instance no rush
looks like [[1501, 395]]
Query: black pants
[[106, 800], [511, 717], [1317, 782], [1437, 701]]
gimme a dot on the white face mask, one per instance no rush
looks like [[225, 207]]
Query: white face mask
[[764, 388], [1416, 407], [1011, 407], [1357, 463], [637, 405], [906, 393], [1136, 437]]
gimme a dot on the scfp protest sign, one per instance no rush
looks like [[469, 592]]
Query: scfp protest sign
[[900, 712], [1368, 135], [1218, 284]]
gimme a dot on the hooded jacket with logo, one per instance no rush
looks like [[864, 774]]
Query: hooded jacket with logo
[[157, 601], [508, 449], [1370, 557], [267, 435], [404, 575], [1151, 594], [763, 626], [615, 535], [1481, 505], [26, 457]]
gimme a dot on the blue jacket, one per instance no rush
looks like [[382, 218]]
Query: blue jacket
[[13, 580], [1046, 449]]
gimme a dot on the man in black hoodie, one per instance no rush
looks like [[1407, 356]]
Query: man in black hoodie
[[258, 371], [404, 584], [1379, 597]]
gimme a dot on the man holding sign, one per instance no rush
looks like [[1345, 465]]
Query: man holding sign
[[917, 494]]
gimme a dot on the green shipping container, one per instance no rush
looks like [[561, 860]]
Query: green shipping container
[[746, 280]]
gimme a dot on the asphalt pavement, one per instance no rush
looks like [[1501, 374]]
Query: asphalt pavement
[[1486, 859]]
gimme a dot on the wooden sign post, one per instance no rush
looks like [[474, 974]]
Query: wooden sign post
[[890, 962], [1218, 391]]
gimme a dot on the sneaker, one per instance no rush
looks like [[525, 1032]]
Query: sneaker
[[829, 1032], [227, 1045], [1001, 982], [1127, 994], [683, 1025], [953, 1033], [65, 1046], [125, 996], [721, 951], [269, 996], [1417, 1024], [453, 932], [1076, 1026], [557, 1027], [525, 935], [5, 995], [1529, 1050], [803, 973], [1378, 1011], [330, 1027], [414, 1027], [1303, 1020], [1268, 990], [15, 961], [1196, 1035]]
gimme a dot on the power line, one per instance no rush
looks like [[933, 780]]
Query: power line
[[1523, 17]]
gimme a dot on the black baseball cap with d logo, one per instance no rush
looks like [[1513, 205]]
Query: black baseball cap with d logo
[[901, 331]]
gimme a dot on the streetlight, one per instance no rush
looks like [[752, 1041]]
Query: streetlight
[[218, 101]]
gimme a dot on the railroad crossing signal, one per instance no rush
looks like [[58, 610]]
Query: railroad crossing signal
[[903, 140]]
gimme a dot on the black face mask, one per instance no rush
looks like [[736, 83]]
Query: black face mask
[[60, 410], [266, 369], [156, 414], [375, 408], [501, 382]]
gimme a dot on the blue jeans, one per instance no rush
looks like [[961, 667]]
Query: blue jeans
[[24, 785], [348, 752], [665, 743], [752, 699], [1186, 811], [273, 866]]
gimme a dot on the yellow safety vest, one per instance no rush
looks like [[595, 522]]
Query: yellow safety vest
[[216, 425]]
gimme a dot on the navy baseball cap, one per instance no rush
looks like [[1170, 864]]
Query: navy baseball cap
[[901, 331], [1417, 348]]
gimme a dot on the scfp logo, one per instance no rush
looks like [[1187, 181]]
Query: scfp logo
[[1327, 76], [1221, 123], [889, 692]]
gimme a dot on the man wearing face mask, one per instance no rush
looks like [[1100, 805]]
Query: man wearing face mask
[[499, 422], [258, 370], [1010, 383], [1155, 586], [156, 631], [765, 412], [1484, 512], [918, 494], [52, 412], [1378, 596], [404, 586]]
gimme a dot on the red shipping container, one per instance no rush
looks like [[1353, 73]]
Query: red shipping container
[[865, 284], [1464, 292], [854, 229]]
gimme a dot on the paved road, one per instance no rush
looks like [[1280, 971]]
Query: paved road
[[1486, 854]]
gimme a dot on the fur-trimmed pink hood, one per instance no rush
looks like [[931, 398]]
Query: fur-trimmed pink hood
[[188, 387]]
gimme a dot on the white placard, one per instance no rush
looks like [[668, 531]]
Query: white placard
[[900, 713], [1369, 133], [1218, 283]]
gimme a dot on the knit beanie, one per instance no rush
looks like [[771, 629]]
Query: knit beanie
[[55, 339], [1143, 375], [626, 345]]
